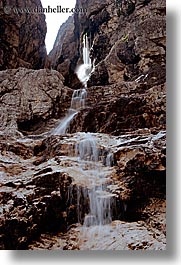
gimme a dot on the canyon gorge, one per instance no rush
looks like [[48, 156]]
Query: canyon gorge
[[83, 128]]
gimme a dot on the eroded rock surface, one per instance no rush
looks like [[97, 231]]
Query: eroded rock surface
[[131, 43], [41, 182], [121, 107], [64, 55], [116, 236], [29, 98], [127, 39], [43, 189], [22, 35]]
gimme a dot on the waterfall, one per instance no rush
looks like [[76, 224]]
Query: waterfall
[[87, 152], [84, 70], [78, 99], [90, 166], [77, 102], [64, 124], [91, 162], [79, 96], [86, 51]]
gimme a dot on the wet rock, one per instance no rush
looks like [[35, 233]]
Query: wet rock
[[43, 189], [142, 174], [116, 236], [44, 197], [122, 107], [22, 35], [32, 210]]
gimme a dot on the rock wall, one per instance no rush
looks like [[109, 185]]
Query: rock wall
[[64, 54], [131, 44], [128, 47], [128, 39], [126, 109], [22, 35], [121, 107], [30, 98]]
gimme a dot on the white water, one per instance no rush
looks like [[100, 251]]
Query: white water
[[64, 124], [91, 162], [88, 154], [77, 102], [90, 159], [78, 99], [84, 70], [79, 96], [86, 51]]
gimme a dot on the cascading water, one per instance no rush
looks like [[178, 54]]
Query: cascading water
[[93, 165], [63, 126], [87, 151], [79, 96], [91, 162], [84, 70], [77, 102], [78, 99]]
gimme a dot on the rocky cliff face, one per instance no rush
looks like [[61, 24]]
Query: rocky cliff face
[[128, 40], [30, 98], [121, 107], [64, 55], [22, 35], [131, 43], [43, 190]]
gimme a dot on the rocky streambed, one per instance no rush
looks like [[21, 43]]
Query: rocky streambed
[[44, 192]]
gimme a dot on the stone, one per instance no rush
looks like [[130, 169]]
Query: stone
[[44, 197], [116, 236], [22, 35], [29, 98], [44, 193], [63, 56], [123, 35], [121, 107]]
